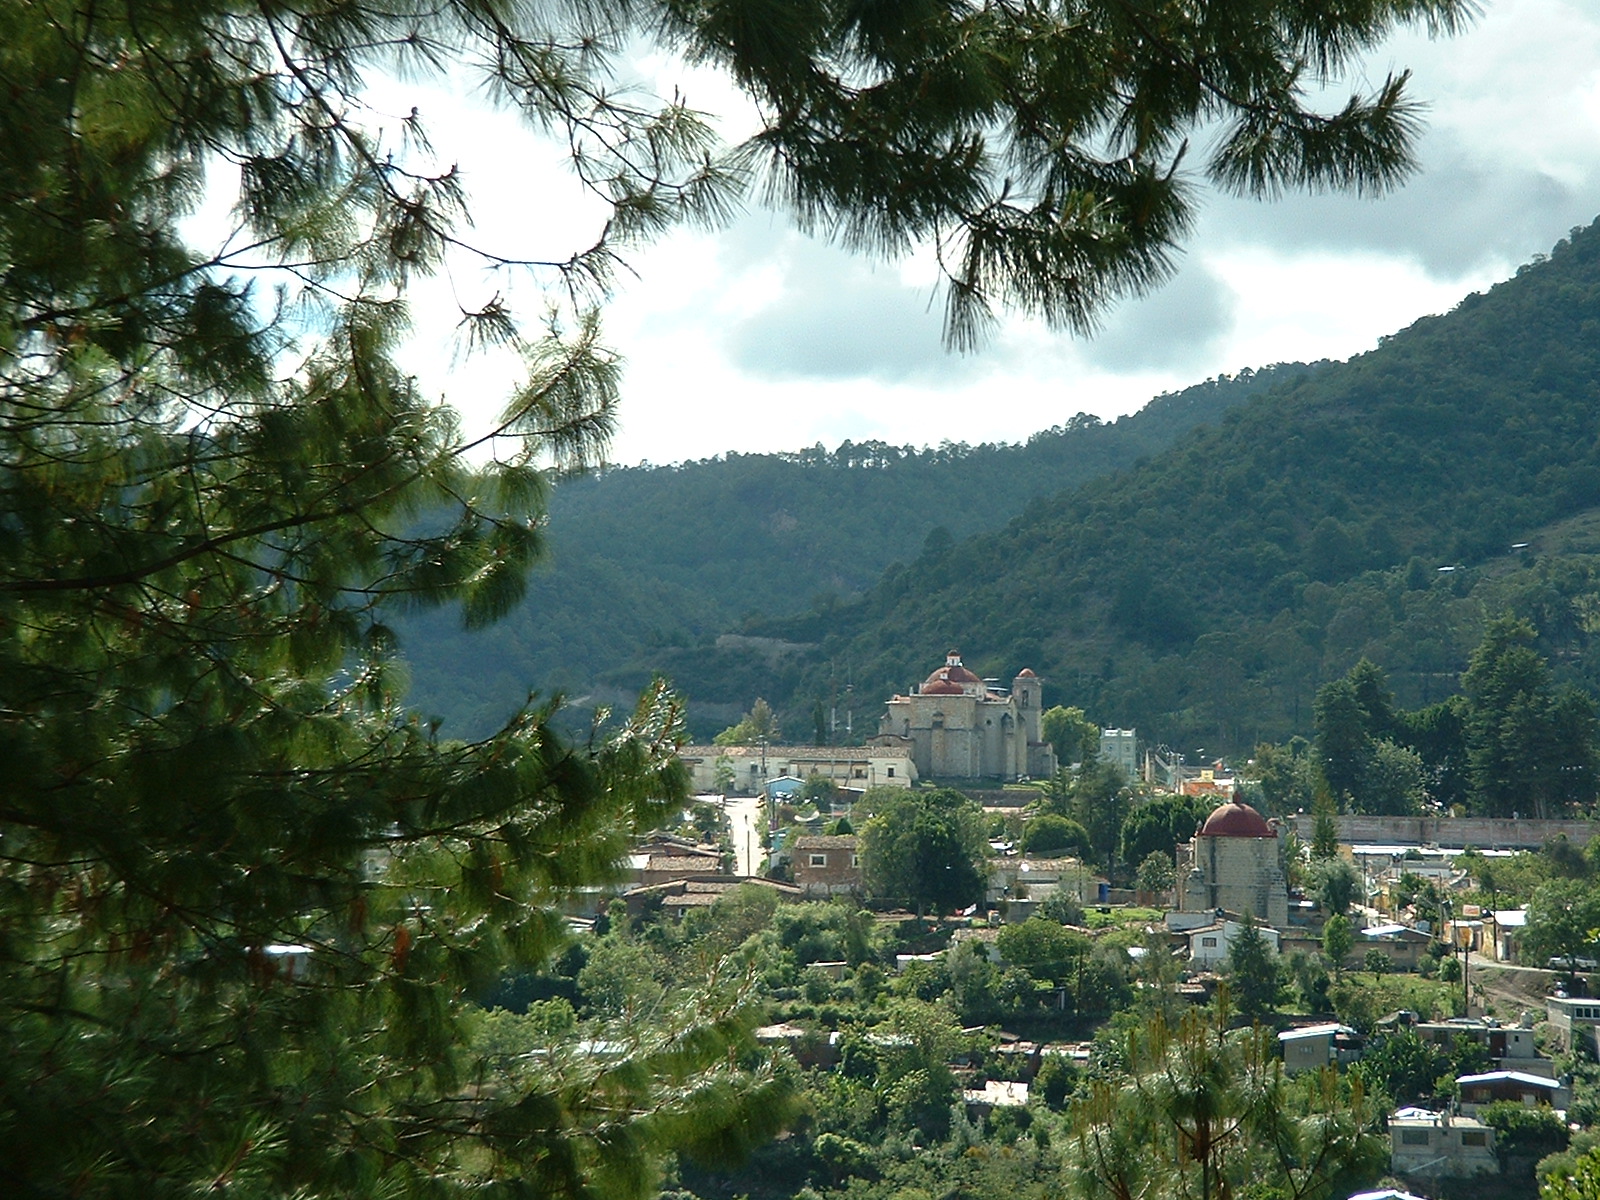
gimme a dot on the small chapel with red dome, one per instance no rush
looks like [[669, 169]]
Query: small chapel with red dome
[[1235, 862], [958, 726]]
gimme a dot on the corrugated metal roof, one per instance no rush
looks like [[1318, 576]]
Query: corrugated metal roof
[[1510, 1077]]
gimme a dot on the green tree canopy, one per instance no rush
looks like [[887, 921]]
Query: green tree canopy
[[1395, 781], [1582, 1182], [819, 791], [758, 725], [1563, 922], [1052, 834], [1325, 825], [1074, 737], [1363, 764], [1338, 885], [1529, 745], [1043, 948], [1338, 939], [1283, 774], [1160, 825], [1403, 1067], [1068, 959], [1253, 976], [1343, 741], [927, 848], [1099, 799], [1209, 1113], [1157, 873]]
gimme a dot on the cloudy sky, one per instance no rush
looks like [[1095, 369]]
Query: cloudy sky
[[757, 338]]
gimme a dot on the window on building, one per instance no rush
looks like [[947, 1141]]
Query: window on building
[[855, 860], [819, 860], [860, 773], [891, 772], [1474, 1137], [1208, 941], [1414, 1137]]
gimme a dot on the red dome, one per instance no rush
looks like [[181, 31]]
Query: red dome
[[1236, 819], [952, 679], [1026, 673]]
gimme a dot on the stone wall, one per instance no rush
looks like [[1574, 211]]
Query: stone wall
[[1486, 833]]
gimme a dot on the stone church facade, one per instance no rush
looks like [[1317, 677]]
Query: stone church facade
[[1235, 863], [957, 726]]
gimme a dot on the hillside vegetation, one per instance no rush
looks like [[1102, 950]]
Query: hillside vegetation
[[1196, 571], [647, 560], [1379, 508]]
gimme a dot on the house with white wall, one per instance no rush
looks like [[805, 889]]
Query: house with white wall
[[1210, 945]]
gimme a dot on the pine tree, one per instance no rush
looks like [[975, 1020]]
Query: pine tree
[[1344, 742], [1338, 939], [1528, 743], [1253, 972], [1208, 1113], [245, 896]]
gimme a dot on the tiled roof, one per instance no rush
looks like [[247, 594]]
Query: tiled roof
[[789, 754], [677, 863]]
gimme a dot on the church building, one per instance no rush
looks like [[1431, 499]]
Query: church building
[[957, 726], [1235, 862]]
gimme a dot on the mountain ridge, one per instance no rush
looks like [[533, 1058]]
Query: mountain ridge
[[1307, 528], [1195, 574], [647, 560]]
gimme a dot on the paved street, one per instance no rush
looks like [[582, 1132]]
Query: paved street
[[744, 820]]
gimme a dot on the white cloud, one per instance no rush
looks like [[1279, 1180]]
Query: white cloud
[[757, 338]]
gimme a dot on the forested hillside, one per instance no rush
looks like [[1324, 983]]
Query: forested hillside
[[1379, 508], [1267, 533], [646, 560]]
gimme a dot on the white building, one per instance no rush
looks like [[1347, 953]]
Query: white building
[[1037, 879], [1121, 747], [1572, 1016], [1518, 1087], [858, 767], [1312, 1047], [1210, 945], [1511, 1047]]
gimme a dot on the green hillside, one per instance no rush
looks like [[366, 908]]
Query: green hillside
[[648, 562], [1374, 508], [1196, 571]]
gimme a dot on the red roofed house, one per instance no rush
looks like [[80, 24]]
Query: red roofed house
[[959, 726], [1235, 862]]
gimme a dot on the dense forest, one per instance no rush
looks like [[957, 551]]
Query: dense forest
[[1382, 508], [647, 560], [1297, 521]]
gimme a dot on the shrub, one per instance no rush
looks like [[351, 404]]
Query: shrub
[[1050, 834]]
